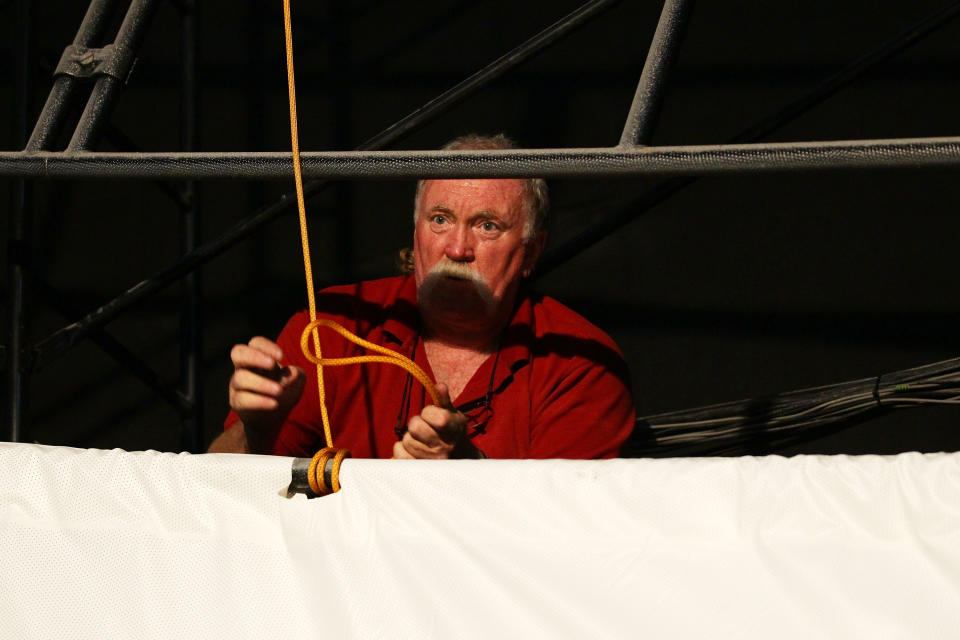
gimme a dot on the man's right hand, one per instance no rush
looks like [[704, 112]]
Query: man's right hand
[[262, 392]]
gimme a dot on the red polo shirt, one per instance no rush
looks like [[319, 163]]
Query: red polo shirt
[[558, 387]]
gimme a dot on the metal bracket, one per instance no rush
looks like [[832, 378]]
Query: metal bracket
[[82, 62], [298, 477]]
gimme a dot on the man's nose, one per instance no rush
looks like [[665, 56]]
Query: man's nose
[[459, 245]]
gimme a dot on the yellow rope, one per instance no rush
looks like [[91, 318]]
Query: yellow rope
[[315, 473], [388, 356], [302, 209]]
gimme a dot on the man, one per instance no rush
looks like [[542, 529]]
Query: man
[[520, 375]]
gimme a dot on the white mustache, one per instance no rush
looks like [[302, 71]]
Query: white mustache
[[433, 282], [456, 270]]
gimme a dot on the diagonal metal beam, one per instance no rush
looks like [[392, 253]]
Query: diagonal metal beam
[[58, 101], [638, 129], [115, 349], [614, 221], [125, 46], [492, 71]]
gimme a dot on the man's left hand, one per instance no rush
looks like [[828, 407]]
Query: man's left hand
[[438, 433]]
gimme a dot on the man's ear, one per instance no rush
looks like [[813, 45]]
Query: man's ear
[[534, 249]]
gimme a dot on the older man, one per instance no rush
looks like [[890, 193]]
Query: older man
[[520, 375]]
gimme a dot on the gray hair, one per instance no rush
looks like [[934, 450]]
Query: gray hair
[[536, 197]]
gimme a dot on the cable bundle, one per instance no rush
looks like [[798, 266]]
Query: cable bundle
[[790, 418]]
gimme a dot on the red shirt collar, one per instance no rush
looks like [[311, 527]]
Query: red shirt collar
[[402, 323]]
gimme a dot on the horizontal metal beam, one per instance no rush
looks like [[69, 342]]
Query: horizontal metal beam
[[520, 163]]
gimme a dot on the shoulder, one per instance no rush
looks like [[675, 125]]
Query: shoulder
[[370, 302], [570, 342], [553, 318], [344, 298], [361, 306], [579, 385]]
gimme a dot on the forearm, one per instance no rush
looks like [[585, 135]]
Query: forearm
[[233, 440], [241, 439]]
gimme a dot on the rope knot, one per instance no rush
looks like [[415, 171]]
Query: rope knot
[[387, 356], [324, 471]]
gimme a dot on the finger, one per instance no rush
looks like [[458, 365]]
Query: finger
[[241, 401], [421, 451], [268, 347], [246, 357], [400, 453], [436, 417], [423, 432], [293, 377], [444, 392], [450, 425], [246, 380]]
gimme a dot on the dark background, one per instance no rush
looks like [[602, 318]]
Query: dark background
[[739, 286]]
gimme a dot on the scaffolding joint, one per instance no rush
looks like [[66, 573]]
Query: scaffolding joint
[[83, 62]]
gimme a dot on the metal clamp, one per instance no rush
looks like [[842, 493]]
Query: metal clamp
[[82, 62], [298, 477]]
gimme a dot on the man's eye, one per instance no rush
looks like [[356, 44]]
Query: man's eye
[[438, 219], [489, 226]]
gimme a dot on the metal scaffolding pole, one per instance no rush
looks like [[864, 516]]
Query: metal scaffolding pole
[[191, 339], [68, 336], [58, 100], [113, 348], [626, 159], [638, 129], [561, 28], [18, 243], [516, 163], [611, 222], [79, 61], [132, 31]]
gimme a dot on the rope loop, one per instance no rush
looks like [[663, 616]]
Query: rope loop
[[388, 356], [316, 473]]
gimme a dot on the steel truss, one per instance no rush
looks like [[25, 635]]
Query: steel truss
[[111, 66], [108, 68]]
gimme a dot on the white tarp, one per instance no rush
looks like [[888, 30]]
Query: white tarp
[[98, 544]]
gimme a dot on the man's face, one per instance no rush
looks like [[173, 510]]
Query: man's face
[[479, 225]]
